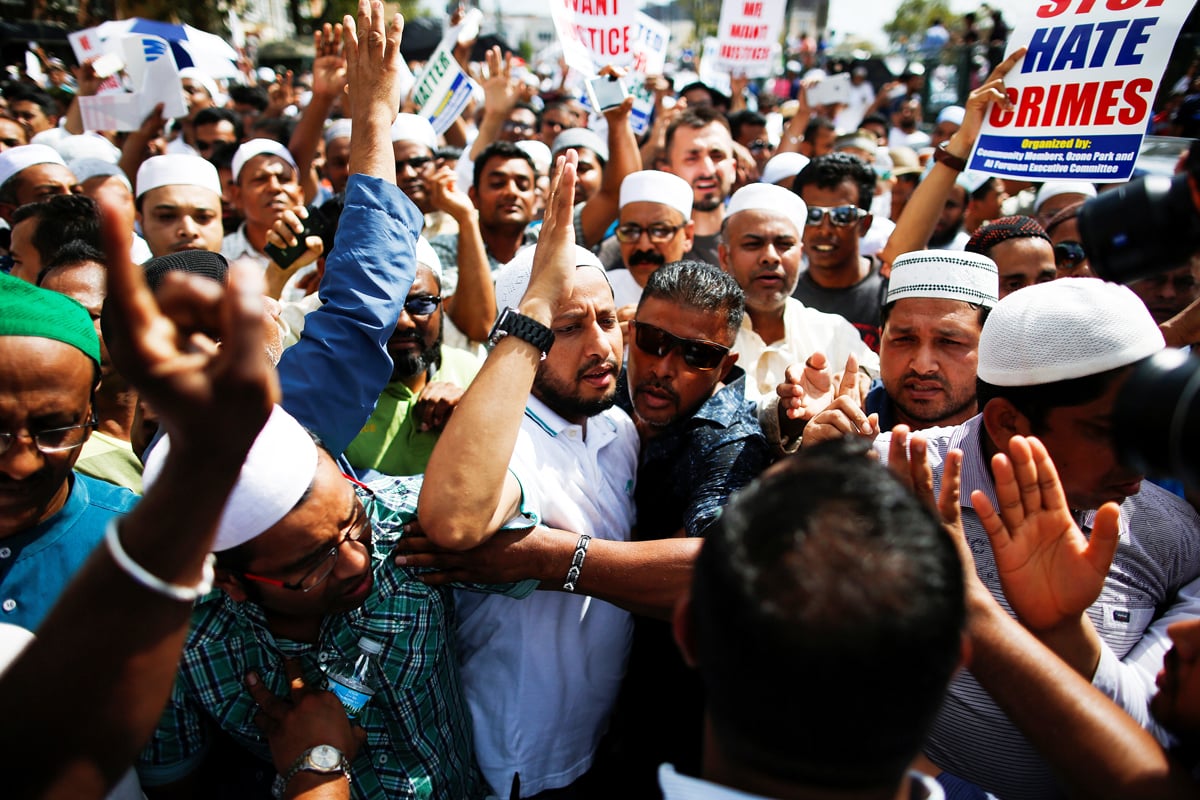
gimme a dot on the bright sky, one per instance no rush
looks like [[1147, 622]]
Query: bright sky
[[866, 18]]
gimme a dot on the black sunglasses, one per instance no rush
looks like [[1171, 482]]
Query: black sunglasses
[[840, 216], [697, 353], [1069, 254], [422, 305], [418, 163]]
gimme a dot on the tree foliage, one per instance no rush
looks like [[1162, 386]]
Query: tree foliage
[[914, 16]]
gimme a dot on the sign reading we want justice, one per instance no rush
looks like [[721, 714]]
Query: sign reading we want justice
[[1082, 94]]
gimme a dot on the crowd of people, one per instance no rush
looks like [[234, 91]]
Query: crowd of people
[[767, 454]]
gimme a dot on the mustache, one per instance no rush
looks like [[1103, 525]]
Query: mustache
[[660, 385], [611, 363], [639, 257]]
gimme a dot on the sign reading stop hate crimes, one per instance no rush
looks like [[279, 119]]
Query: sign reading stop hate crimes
[[1082, 94]]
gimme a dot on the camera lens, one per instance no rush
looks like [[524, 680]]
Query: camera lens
[[1156, 421], [1143, 228]]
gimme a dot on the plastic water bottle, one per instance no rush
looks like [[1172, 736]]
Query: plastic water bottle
[[355, 681]]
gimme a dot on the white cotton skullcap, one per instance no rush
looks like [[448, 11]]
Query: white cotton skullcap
[[655, 186], [513, 278], [338, 129], [1065, 329], [203, 78], [260, 147], [784, 165], [413, 128], [946, 274], [580, 137], [87, 168], [768, 197], [15, 159], [1055, 188], [277, 472], [177, 169], [539, 153], [87, 145], [952, 114], [971, 180], [428, 256]]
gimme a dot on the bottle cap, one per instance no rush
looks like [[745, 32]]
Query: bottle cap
[[370, 646]]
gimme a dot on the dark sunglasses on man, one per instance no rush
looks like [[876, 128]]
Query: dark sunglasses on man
[[841, 216], [1069, 255], [697, 353]]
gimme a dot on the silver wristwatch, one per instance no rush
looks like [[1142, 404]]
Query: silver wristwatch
[[324, 759]]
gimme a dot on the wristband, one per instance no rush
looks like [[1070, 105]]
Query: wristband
[[947, 159], [184, 594], [577, 563]]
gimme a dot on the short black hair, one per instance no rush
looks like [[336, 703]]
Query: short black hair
[[61, 219], [817, 124], [253, 96], [277, 128], [499, 149], [699, 285], [212, 114], [43, 100], [826, 602], [832, 170], [744, 118], [70, 254]]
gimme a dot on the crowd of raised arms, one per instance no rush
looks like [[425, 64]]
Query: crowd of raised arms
[[767, 454]]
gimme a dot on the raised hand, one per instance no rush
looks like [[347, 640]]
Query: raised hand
[[844, 415], [1049, 570], [500, 90], [990, 91], [553, 273], [329, 66], [373, 67]]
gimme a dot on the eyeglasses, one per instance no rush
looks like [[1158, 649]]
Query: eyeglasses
[[417, 163], [317, 575], [841, 216], [53, 440], [631, 232], [759, 144], [1069, 254], [422, 305], [697, 353], [517, 126]]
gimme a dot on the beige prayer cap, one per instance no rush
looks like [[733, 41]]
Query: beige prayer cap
[[1065, 329], [655, 186], [277, 472]]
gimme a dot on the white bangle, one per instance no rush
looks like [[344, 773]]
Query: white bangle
[[184, 594]]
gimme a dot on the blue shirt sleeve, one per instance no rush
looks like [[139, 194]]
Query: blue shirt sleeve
[[333, 376]]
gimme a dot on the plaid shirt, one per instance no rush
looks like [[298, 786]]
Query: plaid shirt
[[419, 742]]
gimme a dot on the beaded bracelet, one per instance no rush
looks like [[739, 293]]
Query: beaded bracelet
[[577, 562]]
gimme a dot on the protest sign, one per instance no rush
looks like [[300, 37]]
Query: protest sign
[[444, 89], [1082, 95], [650, 41], [154, 75], [747, 31], [712, 71], [595, 33]]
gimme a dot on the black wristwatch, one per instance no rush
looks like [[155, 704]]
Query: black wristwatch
[[512, 323]]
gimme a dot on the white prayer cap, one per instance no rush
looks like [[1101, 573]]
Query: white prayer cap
[[265, 75], [580, 137], [428, 256], [278, 470], [203, 78], [15, 159], [177, 169], [768, 197], [1055, 188], [655, 186], [513, 278], [1065, 329], [260, 147], [952, 114], [784, 165], [87, 168], [413, 128], [971, 180], [946, 274], [539, 153], [87, 145], [338, 129]]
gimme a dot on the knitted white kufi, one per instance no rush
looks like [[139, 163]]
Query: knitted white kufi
[[1065, 329], [945, 274]]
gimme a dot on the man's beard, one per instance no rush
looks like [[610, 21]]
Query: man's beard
[[557, 394], [411, 364], [709, 203]]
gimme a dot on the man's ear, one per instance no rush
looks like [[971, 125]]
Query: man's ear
[[474, 197], [681, 625], [231, 584], [1002, 421], [689, 234], [723, 256]]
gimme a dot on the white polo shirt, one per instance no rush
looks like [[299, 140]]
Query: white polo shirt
[[541, 674]]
